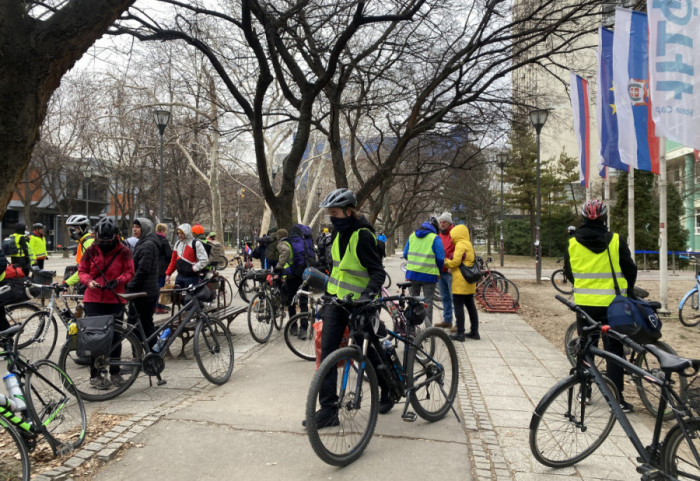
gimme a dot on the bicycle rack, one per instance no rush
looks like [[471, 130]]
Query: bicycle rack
[[499, 302]]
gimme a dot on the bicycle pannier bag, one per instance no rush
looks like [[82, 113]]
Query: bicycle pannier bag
[[634, 318], [416, 313], [95, 336], [472, 273]]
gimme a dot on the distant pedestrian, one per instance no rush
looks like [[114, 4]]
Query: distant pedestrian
[[24, 258], [425, 257], [165, 252], [445, 281], [37, 244], [463, 291]]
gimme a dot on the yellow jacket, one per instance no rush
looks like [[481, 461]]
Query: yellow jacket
[[463, 248]]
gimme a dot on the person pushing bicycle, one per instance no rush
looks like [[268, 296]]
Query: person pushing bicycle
[[358, 272]]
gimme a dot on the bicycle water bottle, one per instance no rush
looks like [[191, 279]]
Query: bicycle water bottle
[[390, 352], [161, 340], [14, 391]]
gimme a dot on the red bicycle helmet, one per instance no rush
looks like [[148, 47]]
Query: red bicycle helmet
[[594, 209]]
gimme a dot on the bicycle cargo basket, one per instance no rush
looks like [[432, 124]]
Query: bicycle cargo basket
[[45, 278], [315, 279], [416, 313]]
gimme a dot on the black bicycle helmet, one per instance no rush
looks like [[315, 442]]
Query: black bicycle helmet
[[106, 229], [339, 198], [434, 222]]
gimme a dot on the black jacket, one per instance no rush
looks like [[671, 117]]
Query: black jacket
[[146, 267], [367, 252], [165, 252]]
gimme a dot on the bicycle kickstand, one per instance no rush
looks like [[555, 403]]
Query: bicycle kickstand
[[160, 381], [452, 404]]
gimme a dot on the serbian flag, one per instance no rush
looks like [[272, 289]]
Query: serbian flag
[[637, 142], [248, 250], [579, 105]]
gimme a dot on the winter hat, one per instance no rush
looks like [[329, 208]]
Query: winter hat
[[282, 233], [446, 216]]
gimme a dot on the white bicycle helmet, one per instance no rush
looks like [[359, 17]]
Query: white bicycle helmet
[[78, 225]]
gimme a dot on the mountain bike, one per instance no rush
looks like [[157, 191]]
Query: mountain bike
[[689, 307], [46, 405], [266, 309], [560, 282], [131, 350], [427, 379], [574, 418]]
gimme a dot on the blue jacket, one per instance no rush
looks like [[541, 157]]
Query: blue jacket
[[439, 251]]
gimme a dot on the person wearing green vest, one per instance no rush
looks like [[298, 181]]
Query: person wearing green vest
[[24, 257], [37, 244], [592, 254], [425, 256], [357, 270]]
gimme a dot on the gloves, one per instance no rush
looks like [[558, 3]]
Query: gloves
[[367, 296], [111, 285]]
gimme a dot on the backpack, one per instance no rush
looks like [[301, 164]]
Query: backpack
[[207, 247], [303, 252], [9, 247]]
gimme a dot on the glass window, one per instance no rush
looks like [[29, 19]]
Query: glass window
[[697, 221]]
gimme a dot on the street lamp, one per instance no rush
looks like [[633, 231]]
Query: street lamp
[[162, 118], [86, 188], [241, 193], [501, 159], [538, 118]]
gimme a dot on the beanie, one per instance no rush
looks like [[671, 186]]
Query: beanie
[[446, 216], [282, 233]]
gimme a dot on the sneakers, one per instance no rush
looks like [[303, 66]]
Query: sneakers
[[473, 335], [294, 330], [385, 404], [100, 382], [302, 334], [160, 310], [325, 418], [453, 329], [457, 337], [443, 324], [117, 379], [626, 407]]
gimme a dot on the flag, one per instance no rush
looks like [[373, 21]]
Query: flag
[[638, 145], [579, 105], [674, 29], [605, 105]]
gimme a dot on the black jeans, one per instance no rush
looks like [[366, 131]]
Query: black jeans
[[461, 300], [289, 288], [101, 309], [145, 307], [614, 372]]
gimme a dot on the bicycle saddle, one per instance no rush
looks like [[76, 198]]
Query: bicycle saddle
[[133, 295], [654, 305], [403, 285], [11, 331], [670, 362]]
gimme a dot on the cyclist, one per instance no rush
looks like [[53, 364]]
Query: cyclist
[[571, 230], [105, 269], [145, 278], [79, 230], [37, 244], [592, 253], [24, 258], [357, 271], [189, 258]]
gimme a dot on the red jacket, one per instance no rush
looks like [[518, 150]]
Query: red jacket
[[119, 268], [448, 245]]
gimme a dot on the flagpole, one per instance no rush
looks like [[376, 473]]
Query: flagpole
[[630, 210], [663, 229]]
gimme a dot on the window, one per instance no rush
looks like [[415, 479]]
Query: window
[[697, 221]]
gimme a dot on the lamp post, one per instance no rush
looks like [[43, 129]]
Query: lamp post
[[86, 189], [319, 191], [162, 118], [501, 159], [538, 118], [240, 194]]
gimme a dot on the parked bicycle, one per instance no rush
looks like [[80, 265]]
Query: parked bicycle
[[689, 307], [240, 271], [131, 350], [494, 288], [40, 402], [560, 282], [266, 309], [574, 418], [427, 378], [251, 283]]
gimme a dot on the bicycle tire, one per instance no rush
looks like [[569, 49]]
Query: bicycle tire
[[558, 441], [501, 293], [677, 458], [213, 349], [18, 313], [54, 404], [690, 304], [14, 455], [220, 263], [247, 288], [571, 343], [238, 276], [434, 400], [278, 309], [69, 362], [303, 348], [37, 339], [341, 445], [561, 283], [649, 393], [260, 318], [224, 296], [387, 280]]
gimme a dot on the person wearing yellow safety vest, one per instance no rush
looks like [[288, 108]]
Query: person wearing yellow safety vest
[[37, 243], [79, 230], [357, 271], [24, 257], [425, 256], [3, 317], [588, 265]]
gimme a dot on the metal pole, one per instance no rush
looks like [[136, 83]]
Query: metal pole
[[87, 206], [502, 247], [160, 208], [538, 263], [238, 222], [663, 229]]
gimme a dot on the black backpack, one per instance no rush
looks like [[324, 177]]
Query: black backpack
[[9, 247]]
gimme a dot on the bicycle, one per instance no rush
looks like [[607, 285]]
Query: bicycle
[[240, 271], [560, 282], [45, 404], [266, 309], [574, 418], [428, 381], [131, 349], [303, 345], [217, 284], [251, 283], [494, 288], [690, 304]]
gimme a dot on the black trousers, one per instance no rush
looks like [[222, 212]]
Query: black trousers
[[460, 301], [145, 307], [101, 309], [289, 288], [613, 346]]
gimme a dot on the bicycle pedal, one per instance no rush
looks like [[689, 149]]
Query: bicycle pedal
[[409, 417], [64, 449]]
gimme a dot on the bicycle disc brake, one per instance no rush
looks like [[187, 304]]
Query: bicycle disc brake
[[153, 364]]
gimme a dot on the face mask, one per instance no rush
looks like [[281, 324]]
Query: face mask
[[341, 223]]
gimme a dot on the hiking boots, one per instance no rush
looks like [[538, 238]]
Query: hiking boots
[[325, 418]]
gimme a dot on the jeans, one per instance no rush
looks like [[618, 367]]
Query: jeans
[[428, 289], [161, 283], [462, 300], [445, 286]]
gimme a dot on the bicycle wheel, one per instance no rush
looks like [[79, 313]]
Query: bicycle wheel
[[650, 393], [37, 338], [404, 266], [434, 378], [567, 426], [14, 456], [238, 276], [54, 404], [303, 346], [248, 288], [571, 343], [677, 456], [561, 283], [18, 313], [387, 280], [689, 309], [357, 416], [278, 310], [260, 318], [213, 349], [224, 296], [73, 365], [501, 293]]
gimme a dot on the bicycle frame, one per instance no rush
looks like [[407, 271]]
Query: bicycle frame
[[694, 290]]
